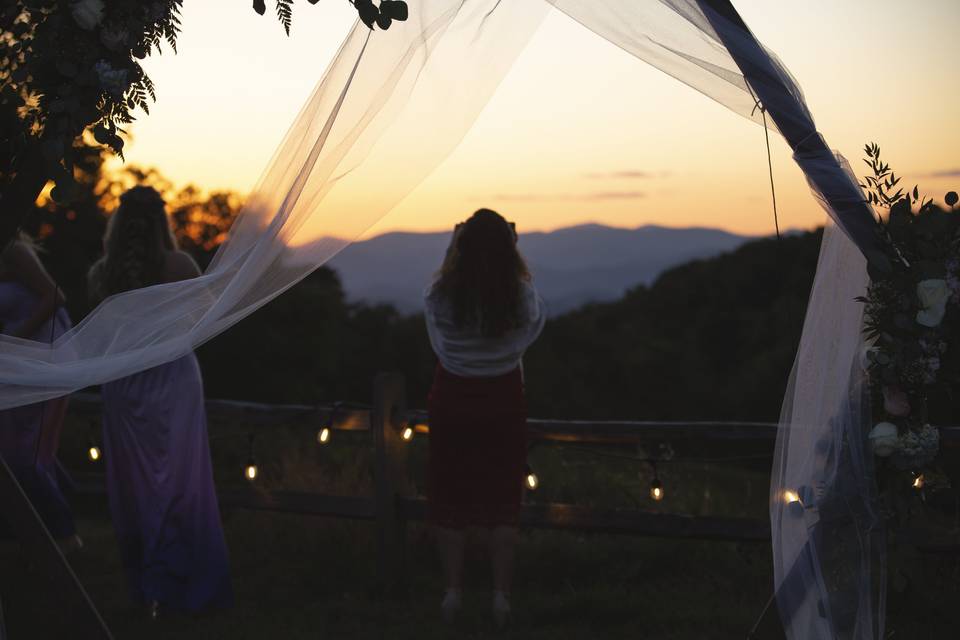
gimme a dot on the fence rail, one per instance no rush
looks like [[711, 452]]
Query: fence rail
[[393, 505], [551, 430]]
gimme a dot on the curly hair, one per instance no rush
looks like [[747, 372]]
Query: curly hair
[[137, 238], [483, 275]]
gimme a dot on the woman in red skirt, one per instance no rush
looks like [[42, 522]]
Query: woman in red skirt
[[482, 313]]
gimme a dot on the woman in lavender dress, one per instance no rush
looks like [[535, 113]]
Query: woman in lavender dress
[[31, 308], [159, 475]]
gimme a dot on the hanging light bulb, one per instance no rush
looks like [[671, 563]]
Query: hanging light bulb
[[790, 496], [656, 487], [918, 481], [326, 431], [251, 471], [531, 479], [93, 449], [656, 490], [409, 429]]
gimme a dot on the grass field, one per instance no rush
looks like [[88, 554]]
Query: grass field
[[304, 577]]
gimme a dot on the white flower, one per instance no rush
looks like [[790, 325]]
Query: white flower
[[933, 295], [87, 13], [883, 437], [113, 81]]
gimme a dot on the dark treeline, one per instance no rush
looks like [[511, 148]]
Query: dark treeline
[[713, 339]]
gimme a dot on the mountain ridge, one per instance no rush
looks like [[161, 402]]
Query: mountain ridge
[[571, 266]]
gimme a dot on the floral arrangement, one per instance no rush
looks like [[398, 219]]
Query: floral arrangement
[[912, 324]]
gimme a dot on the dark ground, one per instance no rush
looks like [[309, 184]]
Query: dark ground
[[305, 577]]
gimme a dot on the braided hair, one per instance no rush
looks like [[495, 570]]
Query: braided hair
[[483, 275], [137, 239]]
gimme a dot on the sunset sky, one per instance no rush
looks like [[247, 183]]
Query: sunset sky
[[580, 131]]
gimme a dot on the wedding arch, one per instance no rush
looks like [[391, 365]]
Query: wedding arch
[[390, 107]]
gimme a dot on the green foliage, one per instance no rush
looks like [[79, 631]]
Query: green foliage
[[912, 315], [912, 322], [713, 339], [382, 14], [710, 340], [71, 65], [285, 14], [68, 66], [883, 179]]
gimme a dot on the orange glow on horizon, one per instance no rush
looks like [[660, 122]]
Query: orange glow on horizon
[[579, 130]]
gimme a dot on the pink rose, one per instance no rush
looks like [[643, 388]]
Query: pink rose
[[895, 402]]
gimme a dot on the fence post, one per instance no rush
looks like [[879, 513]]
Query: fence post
[[390, 479]]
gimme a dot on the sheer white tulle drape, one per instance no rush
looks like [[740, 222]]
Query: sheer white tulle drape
[[389, 108], [828, 534]]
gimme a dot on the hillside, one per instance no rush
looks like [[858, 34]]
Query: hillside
[[711, 339], [572, 266]]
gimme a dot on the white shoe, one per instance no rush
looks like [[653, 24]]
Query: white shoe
[[451, 605], [501, 609]]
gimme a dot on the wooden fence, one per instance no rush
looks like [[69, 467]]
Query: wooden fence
[[393, 503]]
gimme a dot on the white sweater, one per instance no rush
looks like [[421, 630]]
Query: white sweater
[[464, 352]]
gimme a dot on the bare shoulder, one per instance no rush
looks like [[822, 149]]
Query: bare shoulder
[[179, 265]]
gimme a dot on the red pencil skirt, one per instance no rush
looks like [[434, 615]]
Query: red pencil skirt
[[477, 450]]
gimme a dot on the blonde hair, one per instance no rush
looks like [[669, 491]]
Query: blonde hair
[[137, 238]]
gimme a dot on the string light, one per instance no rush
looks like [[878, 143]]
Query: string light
[[409, 428], [531, 479], [656, 490], [656, 487], [794, 504], [326, 431], [918, 481], [251, 471], [94, 454], [93, 451]]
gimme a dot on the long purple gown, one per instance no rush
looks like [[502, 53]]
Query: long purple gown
[[30, 435], [160, 484]]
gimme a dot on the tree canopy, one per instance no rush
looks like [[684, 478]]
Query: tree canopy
[[69, 66]]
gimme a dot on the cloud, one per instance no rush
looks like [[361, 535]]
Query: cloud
[[946, 173], [628, 174], [616, 195], [568, 197]]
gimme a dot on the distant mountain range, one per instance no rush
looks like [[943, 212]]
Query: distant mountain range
[[571, 266]]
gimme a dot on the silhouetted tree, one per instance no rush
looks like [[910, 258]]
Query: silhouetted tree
[[67, 66]]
